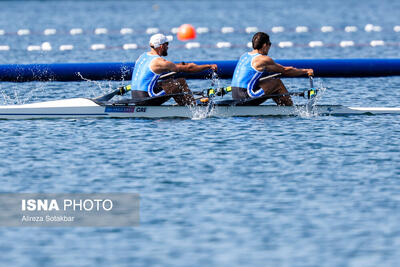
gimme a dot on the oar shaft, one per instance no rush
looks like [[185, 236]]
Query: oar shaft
[[169, 74], [270, 76], [311, 81]]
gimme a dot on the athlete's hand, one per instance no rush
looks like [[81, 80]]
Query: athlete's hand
[[214, 67], [310, 72]]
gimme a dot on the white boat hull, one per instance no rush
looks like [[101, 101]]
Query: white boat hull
[[82, 107]]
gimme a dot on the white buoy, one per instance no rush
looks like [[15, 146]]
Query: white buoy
[[152, 30], [98, 46], [2, 32], [201, 30], [277, 29], [396, 28], [377, 43], [23, 32], [301, 29], [346, 43], [327, 29], [99, 31], [285, 44], [66, 47], [372, 28], [130, 46], [76, 31], [369, 28], [174, 30], [191, 45], [315, 44], [251, 29], [227, 29], [46, 46], [4, 48], [224, 45], [350, 29], [34, 48], [125, 31], [49, 31]]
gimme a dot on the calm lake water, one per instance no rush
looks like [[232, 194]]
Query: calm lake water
[[281, 191]]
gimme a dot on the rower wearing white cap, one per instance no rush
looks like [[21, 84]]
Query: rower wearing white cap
[[149, 67]]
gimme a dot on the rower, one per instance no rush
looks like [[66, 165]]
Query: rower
[[252, 65], [149, 67]]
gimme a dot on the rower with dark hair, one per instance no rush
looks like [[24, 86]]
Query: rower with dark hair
[[252, 65], [149, 67]]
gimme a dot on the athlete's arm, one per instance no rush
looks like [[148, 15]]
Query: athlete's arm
[[192, 67], [160, 65], [268, 64]]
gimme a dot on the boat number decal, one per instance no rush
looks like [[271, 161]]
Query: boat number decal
[[140, 109], [119, 109]]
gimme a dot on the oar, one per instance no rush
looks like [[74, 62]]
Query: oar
[[312, 88], [312, 93], [270, 76], [169, 74], [124, 89]]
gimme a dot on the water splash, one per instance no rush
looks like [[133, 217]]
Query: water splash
[[7, 100], [202, 112], [310, 110], [16, 96], [215, 80], [103, 89]]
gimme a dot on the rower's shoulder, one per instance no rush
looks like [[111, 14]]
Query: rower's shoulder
[[159, 61], [264, 59]]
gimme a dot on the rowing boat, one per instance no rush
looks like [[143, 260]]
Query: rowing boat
[[101, 107], [84, 107]]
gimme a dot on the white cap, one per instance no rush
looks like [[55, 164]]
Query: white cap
[[158, 39]]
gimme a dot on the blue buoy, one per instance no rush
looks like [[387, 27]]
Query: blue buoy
[[368, 67]]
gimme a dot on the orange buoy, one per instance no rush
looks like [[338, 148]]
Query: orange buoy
[[186, 32]]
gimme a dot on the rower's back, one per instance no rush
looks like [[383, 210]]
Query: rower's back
[[143, 78], [245, 78]]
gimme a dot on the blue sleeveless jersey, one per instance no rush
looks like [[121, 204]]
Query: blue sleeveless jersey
[[245, 76], [143, 78]]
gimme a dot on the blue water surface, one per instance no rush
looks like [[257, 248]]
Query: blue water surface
[[273, 191]]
